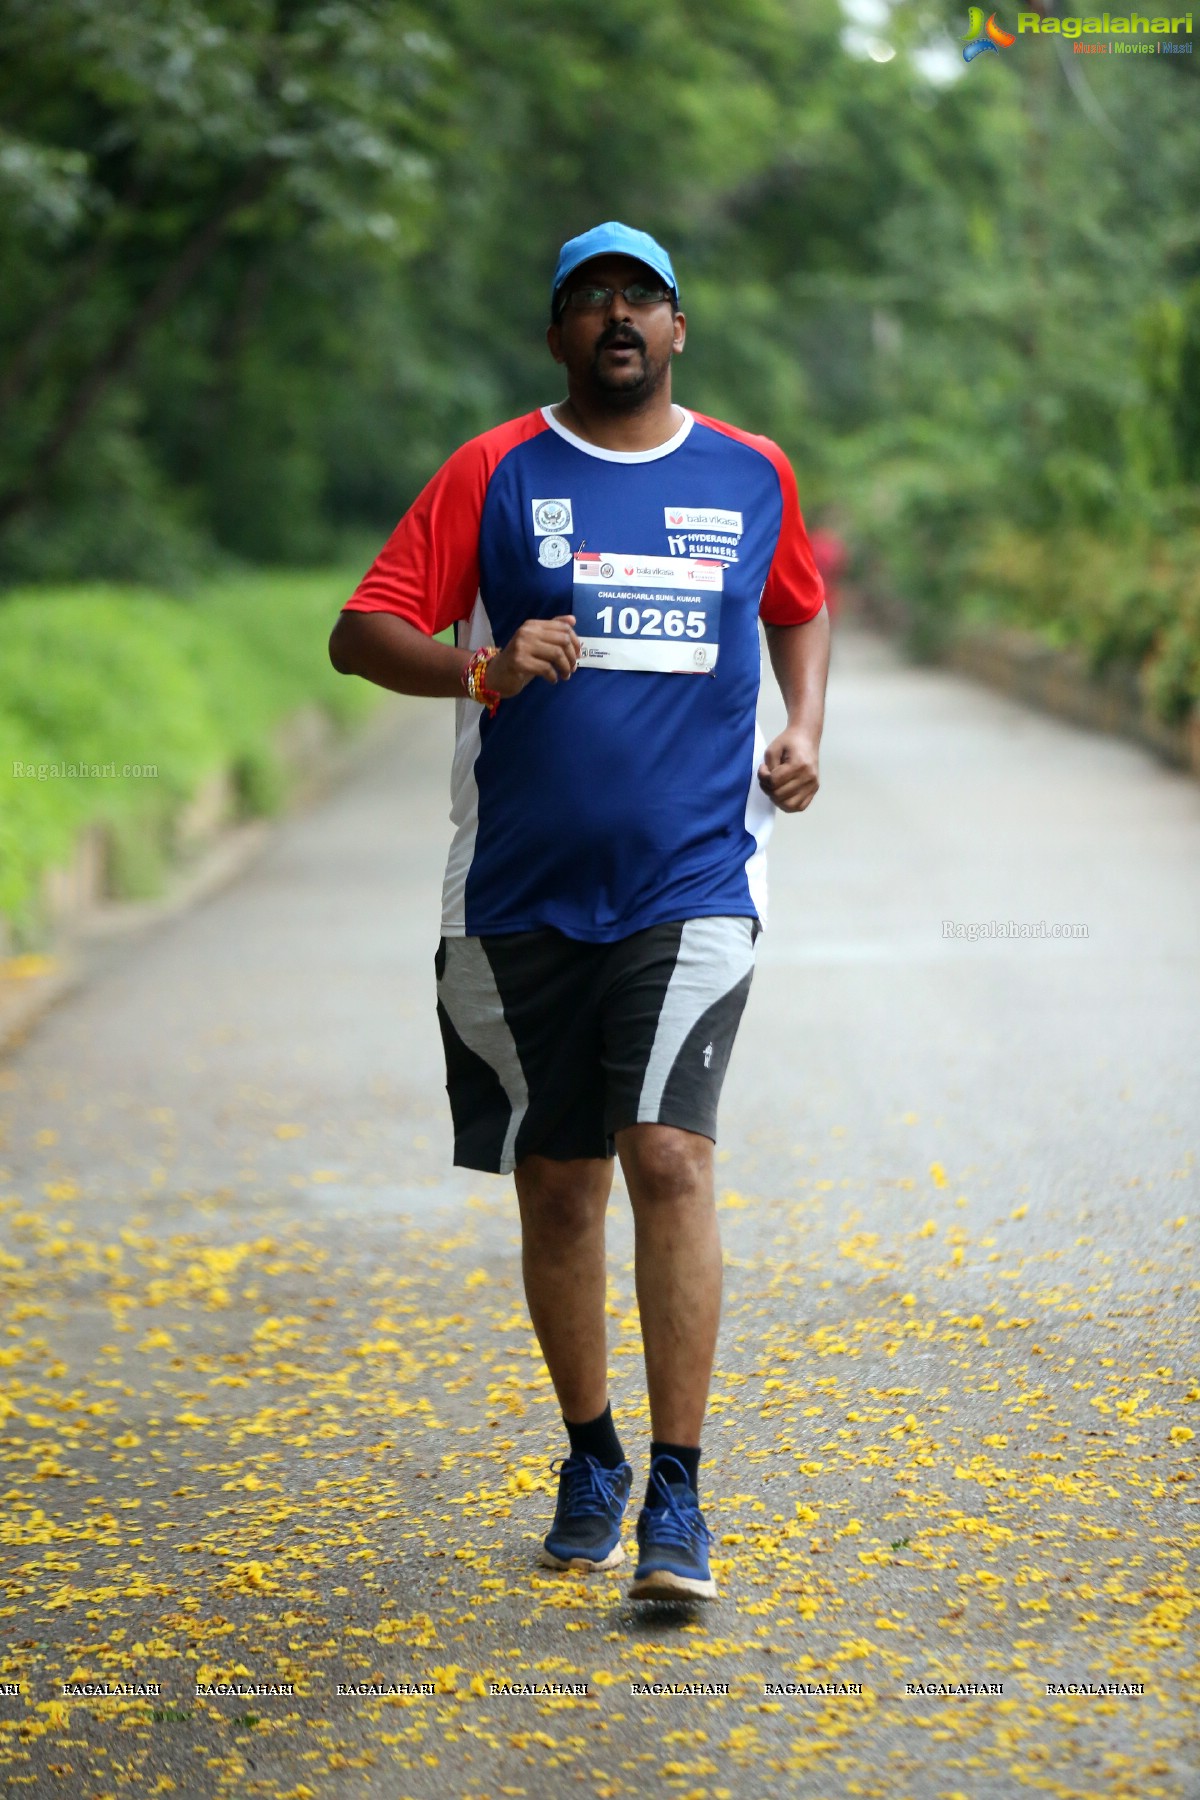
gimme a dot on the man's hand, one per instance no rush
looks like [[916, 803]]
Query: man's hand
[[788, 772], [545, 647]]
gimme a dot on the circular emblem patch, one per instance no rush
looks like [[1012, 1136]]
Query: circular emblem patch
[[553, 552], [606, 569], [551, 515]]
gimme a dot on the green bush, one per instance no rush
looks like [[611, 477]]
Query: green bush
[[913, 499], [39, 819], [1128, 602], [929, 545], [100, 682], [1171, 672]]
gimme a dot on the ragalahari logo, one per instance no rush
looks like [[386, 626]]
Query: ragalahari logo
[[981, 37]]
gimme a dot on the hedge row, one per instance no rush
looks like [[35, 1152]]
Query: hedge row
[[1130, 602], [1128, 597], [100, 681]]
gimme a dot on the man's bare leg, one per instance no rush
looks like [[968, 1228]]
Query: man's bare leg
[[677, 1251], [562, 1253], [678, 1272], [563, 1205]]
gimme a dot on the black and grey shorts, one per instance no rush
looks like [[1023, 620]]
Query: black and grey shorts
[[553, 1046]]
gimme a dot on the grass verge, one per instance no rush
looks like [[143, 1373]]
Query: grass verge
[[118, 705]]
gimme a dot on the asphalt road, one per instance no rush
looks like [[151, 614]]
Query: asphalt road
[[271, 1411]]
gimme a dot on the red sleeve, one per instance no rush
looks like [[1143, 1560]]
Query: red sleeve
[[428, 571], [793, 591]]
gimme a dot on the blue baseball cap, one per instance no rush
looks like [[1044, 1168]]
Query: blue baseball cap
[[612, 239]]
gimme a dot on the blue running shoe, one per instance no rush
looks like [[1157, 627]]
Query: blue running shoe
[[673, 1541], [586, 1533]]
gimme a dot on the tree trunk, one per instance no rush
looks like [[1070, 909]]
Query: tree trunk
[[122, 351], [16, 376]]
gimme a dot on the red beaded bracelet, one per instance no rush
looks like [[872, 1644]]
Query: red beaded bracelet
[[474, 678]]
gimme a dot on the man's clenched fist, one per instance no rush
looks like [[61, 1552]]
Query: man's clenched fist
[[545, 647]]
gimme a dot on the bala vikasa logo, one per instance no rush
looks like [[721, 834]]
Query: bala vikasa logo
[[981, 37]]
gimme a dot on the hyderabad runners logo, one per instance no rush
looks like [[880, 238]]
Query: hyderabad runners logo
[[981, 37]]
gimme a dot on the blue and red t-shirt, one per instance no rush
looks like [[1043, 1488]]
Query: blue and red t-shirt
[[626, 796]]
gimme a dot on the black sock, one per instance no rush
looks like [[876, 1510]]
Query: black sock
[[688, 1455], [598, 1438]]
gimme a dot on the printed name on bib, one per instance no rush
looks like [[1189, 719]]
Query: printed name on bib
[[659, 614]]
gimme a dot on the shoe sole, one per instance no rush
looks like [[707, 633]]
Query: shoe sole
[[588, 1564], [663, 1584]]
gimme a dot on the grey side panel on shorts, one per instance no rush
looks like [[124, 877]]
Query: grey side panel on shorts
[[698, 1073], [471, 998], [715, 956]]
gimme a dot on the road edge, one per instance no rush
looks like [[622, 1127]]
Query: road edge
[[1049, 679], [32, 984]]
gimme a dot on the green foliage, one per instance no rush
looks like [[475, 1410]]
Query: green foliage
[[197, 193], [1129, 602], [1171, 674], [102, 678], [1035, 364], [1184, 394], [145, 696], [38, 820]]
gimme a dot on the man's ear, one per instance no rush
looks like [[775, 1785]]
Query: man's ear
[[680, 335], [554, 339]]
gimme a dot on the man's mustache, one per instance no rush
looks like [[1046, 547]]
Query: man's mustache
[[621, 337]]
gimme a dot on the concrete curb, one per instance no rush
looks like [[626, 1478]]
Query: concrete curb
[[31, 984]]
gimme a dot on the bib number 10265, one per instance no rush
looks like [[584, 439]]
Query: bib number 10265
[[651, 621], [659, 614]]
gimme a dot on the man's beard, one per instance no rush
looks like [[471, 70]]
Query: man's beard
[[626, 389]]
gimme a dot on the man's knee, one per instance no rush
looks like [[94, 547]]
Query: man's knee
[[562, 1196], [664, 1163]]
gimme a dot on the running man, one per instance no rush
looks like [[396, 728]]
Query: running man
[[604, 563]]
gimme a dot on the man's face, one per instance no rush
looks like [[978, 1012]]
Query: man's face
[[619, 354]]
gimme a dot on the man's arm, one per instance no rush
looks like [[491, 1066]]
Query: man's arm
[[387, 650], [800, 659]]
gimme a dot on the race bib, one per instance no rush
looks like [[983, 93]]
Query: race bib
[[657, 613]]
